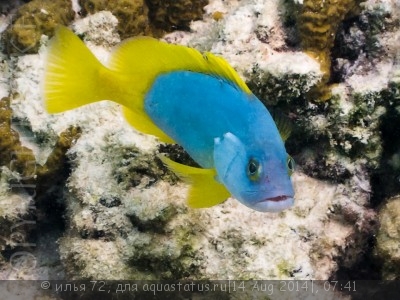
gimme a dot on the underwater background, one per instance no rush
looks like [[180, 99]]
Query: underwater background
[[83, 195]]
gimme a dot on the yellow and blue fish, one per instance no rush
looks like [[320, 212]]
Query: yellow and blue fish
[[181, 96]]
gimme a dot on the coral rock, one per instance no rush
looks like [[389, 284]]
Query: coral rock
[[34, 19], [131, 15], [388, 239], [12, 154], [318, 22], [172, 15]]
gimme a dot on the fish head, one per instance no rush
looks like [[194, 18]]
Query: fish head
[[256, 175]]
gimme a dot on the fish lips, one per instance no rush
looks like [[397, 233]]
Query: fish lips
[[274, 204]]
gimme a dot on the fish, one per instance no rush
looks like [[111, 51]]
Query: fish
[[183, 96]]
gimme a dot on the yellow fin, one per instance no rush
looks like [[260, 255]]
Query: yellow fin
[[204, 191], [144, 58], [74, 77], [282, 123]]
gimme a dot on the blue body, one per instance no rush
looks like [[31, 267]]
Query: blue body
[[213, 119], [194, 108]]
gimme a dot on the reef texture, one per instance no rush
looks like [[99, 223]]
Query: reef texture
[[13, 155], [29, 178], [172, 15], [318, 22], [18, 166], [135, 17], [132, 15], [388, 239], [150, 17], [34, 19], [148, 232], [125, 213]]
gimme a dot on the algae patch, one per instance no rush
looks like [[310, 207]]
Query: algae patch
[[13, 154]]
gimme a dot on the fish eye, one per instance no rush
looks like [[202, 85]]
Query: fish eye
[[253, 169], [290, 165]]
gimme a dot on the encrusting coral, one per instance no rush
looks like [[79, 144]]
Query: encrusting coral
[[172, 15], [388, 237], [21, 159], [318, 22], [149, 17], [34, 19], [131, 14], [25, 186], [135, 17], [55, 171], [13, 155]]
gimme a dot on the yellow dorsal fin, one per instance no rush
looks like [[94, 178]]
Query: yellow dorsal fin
[[142, 59], [145, 58], [74, 77], [204, 191]]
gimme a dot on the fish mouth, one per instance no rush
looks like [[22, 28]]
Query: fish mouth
[[274, 204], [277, 198]]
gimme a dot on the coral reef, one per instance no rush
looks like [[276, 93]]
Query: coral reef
[[55, 171], [126, 216], [33, 167], [131, 14], [150, 227], [18, 171], [318, 23], [172, 15], [24, 202], [388, 239], [16, 220], [147, 17], [24, 189], [13, 155], [34, 19]]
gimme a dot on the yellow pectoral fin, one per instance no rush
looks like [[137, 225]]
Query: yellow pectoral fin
[[204, 191], [142, 122]]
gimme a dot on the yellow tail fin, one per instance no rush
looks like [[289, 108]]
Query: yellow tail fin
[[74, 77]]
